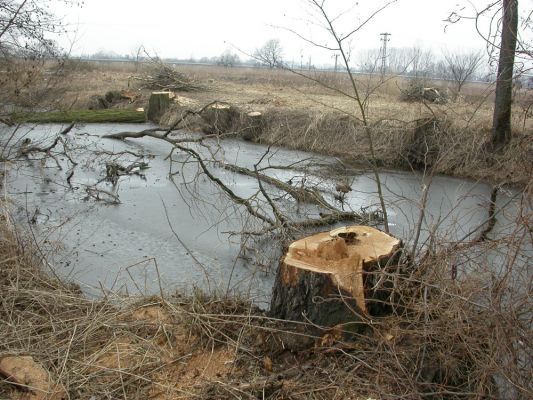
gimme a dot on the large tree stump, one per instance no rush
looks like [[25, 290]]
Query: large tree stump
[[157, 105], [328, 278]]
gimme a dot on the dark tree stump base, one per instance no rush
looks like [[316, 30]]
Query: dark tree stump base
[[328, 278]]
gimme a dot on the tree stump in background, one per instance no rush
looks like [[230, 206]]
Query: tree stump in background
[[220, 118], [159, 102], [327, 278], [252, 125], [424, 149]]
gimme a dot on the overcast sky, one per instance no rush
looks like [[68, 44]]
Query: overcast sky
[[198, 28]]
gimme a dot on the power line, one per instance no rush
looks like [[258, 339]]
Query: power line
[[384, 38]]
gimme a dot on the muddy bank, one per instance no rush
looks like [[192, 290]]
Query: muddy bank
[[433, 143]]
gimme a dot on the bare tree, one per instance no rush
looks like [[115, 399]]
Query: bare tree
[[25, 28], [502, 36], [136, 54], [340, 45], [420, 61], [462, 67], [398, 60], [368, 60], [26, 31], [228, 59], [270, 54], [414, 61]]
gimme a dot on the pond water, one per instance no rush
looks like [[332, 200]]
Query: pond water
[[179, 234]]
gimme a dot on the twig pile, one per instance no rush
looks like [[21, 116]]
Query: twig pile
[[419, 91], [164, 77]]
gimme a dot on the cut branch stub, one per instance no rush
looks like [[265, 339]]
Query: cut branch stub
[[329, 278]]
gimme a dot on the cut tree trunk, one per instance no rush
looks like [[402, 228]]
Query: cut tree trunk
[[423, 151], [220, 118], [159, 102], [252, 126], [332, 277]]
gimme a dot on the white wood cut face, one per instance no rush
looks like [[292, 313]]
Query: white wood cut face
[[341, 253]]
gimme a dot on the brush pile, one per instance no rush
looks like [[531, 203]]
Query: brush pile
[[163, 77], [418, 90]]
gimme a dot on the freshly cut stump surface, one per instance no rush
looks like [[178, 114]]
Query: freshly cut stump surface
[[253, 125], [24, 372], [328, 278]]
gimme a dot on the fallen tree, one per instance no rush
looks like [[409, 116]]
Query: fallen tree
[[270, 215]]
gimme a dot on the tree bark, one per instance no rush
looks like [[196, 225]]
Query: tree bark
[[329, 278], [252, 126], [220, 118], [157, 105], [501, 124]]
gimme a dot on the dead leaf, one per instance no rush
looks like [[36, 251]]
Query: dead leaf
[[267, 363]]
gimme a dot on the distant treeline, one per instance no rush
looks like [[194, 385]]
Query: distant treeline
[[410, 62]]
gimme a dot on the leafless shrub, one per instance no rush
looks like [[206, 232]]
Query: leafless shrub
[[462, 67]]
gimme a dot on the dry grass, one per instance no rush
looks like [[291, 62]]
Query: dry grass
[[303, 114], [459, 151], [106, 348], [453, 335], [242, 86]]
